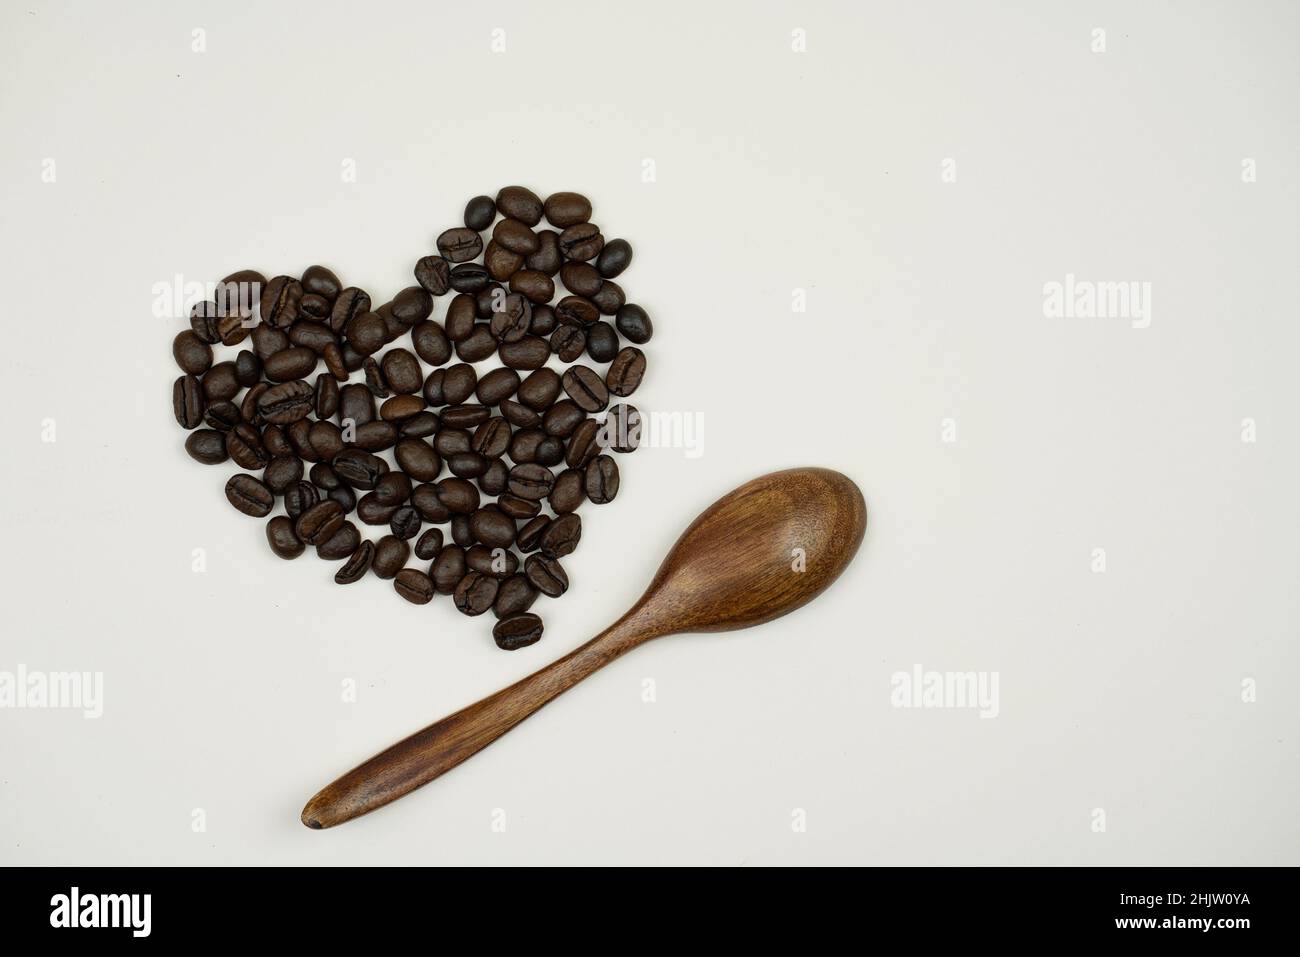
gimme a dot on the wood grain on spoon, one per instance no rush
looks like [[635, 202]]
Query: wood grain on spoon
[[736, 565]]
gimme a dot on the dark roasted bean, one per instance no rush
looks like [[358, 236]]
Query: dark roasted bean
[[249, 495], [586, 388], [448, 569], [626, 371], [281, 538], [514, 597], [614, 258], [460, 245], [546, 575], [355, 568], [207, 446], [429, 544], [188, 401], [414, 585], [475, 593], [517, 631], [391, 554], [520, 203]]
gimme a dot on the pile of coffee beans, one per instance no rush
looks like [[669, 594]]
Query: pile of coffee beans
[[478, 476]]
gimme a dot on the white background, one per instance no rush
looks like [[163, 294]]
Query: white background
[[775, 171]]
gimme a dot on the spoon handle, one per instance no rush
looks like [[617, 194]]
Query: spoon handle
[[432, 751]]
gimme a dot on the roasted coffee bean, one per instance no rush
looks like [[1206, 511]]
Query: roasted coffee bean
[[464, 416], [352, 359], [568, 342], [531, 481], [550, 451], [469, 277], [534, 284], [207, 446], [567, 209], [529, 536], [325, 396], [539, 389], [448, 569], [514, 597], [341, 544], [417, 459], [414, 585], [519, 415], [626, 371], [413, 304], [520, 509], [233, 330], [561, 536], [355, 568], [268, 340], [312, 335], [544, 321], [581, 279], [366, 333], [475, 593], [434, 274], [498, 563], [460, 245], [621, 430], [562, 418], [320, 281], [548, 259], [461, 533], [523, 445], [493, 527], [422, 425], [346, 498], [248, 405], [488, 300], [249, 495], [375, 436], [601, 480], [189, 402], [192, 354], [501, 263], [494, 479], [298, 435], [316, 308], [584, 444], [458, 495], [391, 554], [609, 299], [405, 523], [461, 316], [479, 345], [634, 323], [479, 213], [511, 322], [429, 544], [582, 242], [459, 384], [220, 382], [373, 511], [289, 364], [497, 386], [568, 492], [585, 387], [276, 441], [300, 496], [334, 362], [375, 380], [546, 575], [530, 352], [576, 311], [324, 476], [449, 442], [517, 631], [614, 258], [239, 293], [282, 472], [518, 202], [467, 464], [358, 468], [326, 440], [515, 236], [319, 522], [392, 488], [279, 303], [222, 416], [280, 536], [356, 405], [244, 445], [203, 322], [351, 302], [491, 439]]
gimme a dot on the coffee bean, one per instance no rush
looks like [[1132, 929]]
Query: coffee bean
[[358, 468], [355, 568], [249, 495], [402, 371], [583, 444], [514, 597], [449, 442], [203, 322], [581, 279], [493, 527], [568, 342], [479, 213], [562, 418], [567, 209], [341, 544], [465, 416], [248, 405], [414, 585], [222, 416], [539, 389], [434, 274], [497, 386], [276, 441], [469, 277], [568, 492], [533, 284], [561, 536], [601, 479], [585, 387], [405, 523], [244, 445], [373, 511], [319, 522], [233, 330], [500, 262], [494, 480], [548, 259], [517, 631], [634, 323], [188, 401], [520, 509], [289, 364], [461, 533], [356, 405], [220, 382], [391, 554], [475, 593], [609, 299], [417, 459], [429, 544], [546, 575], [280, 536], [300, 496], [413, 304], [550, 451], [614, 258], [375, 436], [531, 481], [392, 488], [366, 333], [431, 342], [576, 311], [491, 439], [282, 472], [448, 569], [602, 342], [515, 236], [621, 430], [626, 371], [267, 340], [351, 302], [581, 242], [529, 537], [325, 396], [375, 380], [314, 307], [519, 415], [207, 446], [192, 354], [279, 303], [520, 203], [458, 495], [316, 336], [460, 245], [511, 322]]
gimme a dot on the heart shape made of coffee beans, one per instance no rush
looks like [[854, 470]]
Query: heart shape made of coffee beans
[[504, 458]]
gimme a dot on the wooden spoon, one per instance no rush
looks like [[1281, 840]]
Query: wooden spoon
[[758, 553]]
